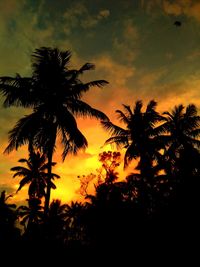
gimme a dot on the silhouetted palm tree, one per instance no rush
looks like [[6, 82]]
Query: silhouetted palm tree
[[31, 216], [8, 216], [55, 222], [6, 210], [180, 133], [54, 92], [35, 174], [74, 222], [139, 137]]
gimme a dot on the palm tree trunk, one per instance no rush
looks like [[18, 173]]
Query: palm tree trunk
[[50, 159], [48, 191]]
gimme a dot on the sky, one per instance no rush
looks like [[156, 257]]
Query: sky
[[135, 46]]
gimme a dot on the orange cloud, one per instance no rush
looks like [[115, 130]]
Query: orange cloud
[[187, 7], [127, 45]]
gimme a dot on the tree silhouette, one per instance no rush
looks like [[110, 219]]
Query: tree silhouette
[[8, 216], [55, 222], [139, 138], [54, 92], [180, 131], [74, 223], [35, 174], [31, 216], [110, 161]]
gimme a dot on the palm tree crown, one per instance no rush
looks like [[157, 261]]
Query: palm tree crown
[[54, 91], [139, 136], [35, 174], [181, 127]]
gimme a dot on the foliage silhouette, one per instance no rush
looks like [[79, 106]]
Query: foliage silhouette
[[139, 137], [8, 230], [35, 174], [54, 92], [160, 195]]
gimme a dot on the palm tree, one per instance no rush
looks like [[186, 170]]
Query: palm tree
[[139, 137], [74, 221], [55, 223], [180, 134], [31, 216], [8, 217], [35, 174], [6, 210], [54, 92]]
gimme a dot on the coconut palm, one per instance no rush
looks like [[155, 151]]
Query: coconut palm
[[8, 217], [74, 221], [7, 211], [139, 137], [31, 216], [180, 134], [34, 175], [54, 91], [55, 222]]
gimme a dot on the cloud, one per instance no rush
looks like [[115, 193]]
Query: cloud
[[194, 55], [79, 15], [188, 8], [172, 8], [104, 13], [115, 73], [150, 5], [126, 45], [115, 93], [182, 92]]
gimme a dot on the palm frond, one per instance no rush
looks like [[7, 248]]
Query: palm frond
[[195, 133], [86, 66], [54, 175], [151, 106], [122, 117], [17, 91], [80, 88], [23, 182], [138, 107], [23, 131], [80, 108], [119, 141], [128, 110], [191, 111], [114, 129], [74, 143], [23, 160], [131, 153]]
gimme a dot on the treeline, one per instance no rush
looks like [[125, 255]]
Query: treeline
[[155, 202]]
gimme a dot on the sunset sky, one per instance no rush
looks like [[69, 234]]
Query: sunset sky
[[134, 45]]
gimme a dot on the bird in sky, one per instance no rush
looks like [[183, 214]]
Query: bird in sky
[[177, 23]]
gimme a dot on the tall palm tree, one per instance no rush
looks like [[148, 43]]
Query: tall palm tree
[[54, 91], [139, 137], [35, 174], [180, 133]]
